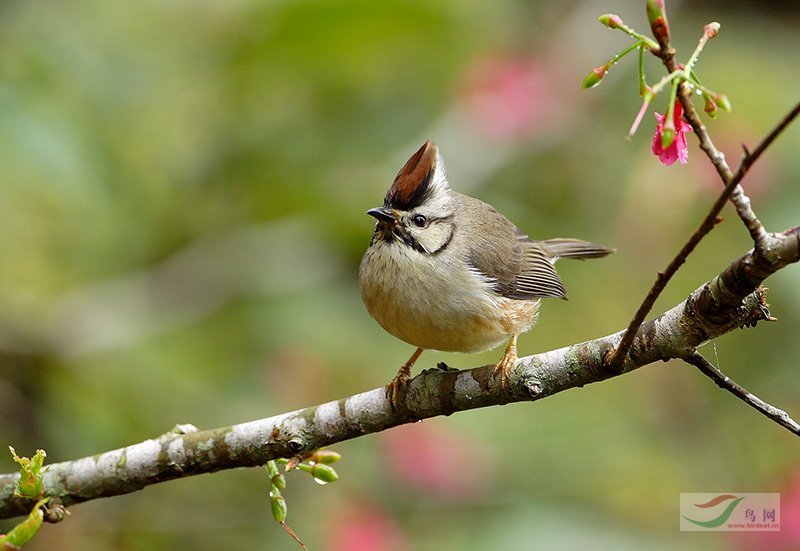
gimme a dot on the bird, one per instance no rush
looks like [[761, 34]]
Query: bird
[[445, 271]]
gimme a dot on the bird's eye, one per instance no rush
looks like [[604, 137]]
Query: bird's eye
[[420, 220]]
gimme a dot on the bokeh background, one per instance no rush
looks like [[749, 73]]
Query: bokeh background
[[182, 198]]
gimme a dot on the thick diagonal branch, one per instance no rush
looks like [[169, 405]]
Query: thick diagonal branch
[[731, 300]]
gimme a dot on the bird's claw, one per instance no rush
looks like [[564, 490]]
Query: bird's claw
[[394, 387]]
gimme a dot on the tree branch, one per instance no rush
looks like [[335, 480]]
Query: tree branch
[[732, 191], [723, 381], [752, 157], [731, 300]]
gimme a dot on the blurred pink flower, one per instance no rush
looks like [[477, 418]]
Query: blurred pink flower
[[678, 150], [788, 539], [513, 97], [433, 461], [360, 526]]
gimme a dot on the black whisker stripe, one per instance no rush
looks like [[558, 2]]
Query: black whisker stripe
[[404, 235]]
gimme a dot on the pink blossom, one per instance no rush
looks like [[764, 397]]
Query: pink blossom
[[364, 526], [788, 538], [514, 98], [425, 458], [677, 151]]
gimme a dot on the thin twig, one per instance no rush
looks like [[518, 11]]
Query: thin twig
[[660, 283], [723, 381], [293, 535], [732, 191]]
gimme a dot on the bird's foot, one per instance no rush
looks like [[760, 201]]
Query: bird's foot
[[507, 362], [400, 381]]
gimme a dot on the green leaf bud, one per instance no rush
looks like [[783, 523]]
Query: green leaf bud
[[29, 484], [324, 473], [278, 505], [23, 532], [324, 456]]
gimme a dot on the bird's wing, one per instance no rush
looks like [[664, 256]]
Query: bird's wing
[[518, 267]]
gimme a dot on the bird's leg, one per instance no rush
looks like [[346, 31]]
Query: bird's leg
[[507, 362], [401, 379]]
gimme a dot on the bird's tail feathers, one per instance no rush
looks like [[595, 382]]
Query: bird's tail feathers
[[561, 247]]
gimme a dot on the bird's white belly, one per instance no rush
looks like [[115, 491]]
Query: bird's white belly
[[437, 302]]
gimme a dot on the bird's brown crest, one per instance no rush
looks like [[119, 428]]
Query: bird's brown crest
[[413, 182]]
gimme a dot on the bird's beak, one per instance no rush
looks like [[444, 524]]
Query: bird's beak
[[383, 214]]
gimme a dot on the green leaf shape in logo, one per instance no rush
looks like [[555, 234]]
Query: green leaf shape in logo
[[714, 522]]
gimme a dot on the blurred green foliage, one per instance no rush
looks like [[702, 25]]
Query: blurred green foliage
[[182, 215]]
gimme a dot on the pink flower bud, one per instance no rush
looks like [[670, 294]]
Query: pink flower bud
[[595, 76], [711, 29], [657, 15], [611, 21]]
